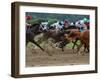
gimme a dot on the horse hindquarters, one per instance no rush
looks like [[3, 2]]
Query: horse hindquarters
[[84, 38]]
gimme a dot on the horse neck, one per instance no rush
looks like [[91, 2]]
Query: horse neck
[[76, 33], [79, 34], [35, 29], [51, 34]]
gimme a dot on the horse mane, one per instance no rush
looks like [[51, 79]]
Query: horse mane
[[64, 32], [72, 27]]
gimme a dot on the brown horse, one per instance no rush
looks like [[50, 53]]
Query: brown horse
[[82, 36]]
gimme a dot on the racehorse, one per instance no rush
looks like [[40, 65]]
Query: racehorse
[[69, 29], [31, 32], [56, 35], [82, 36]]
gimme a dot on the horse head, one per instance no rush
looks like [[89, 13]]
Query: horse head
[[36, 28]]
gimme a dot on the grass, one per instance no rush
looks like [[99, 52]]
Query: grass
[[70, 45]]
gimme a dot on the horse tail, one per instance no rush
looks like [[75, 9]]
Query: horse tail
[[38, 45]]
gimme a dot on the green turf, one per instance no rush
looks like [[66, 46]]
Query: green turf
[[70, 45]]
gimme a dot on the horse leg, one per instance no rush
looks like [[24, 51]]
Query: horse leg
[[74, 43], [79, 47], [63, 45], [62, 48], [87, 48], [38, 45], [84, 51]]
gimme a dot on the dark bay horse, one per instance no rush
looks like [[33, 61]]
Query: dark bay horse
[[31, 32], [56, 35]]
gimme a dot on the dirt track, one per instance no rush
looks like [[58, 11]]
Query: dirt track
[[54, 57]]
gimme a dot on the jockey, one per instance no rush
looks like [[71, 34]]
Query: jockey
[[87, 23], [80, 24], [28, 17], [60, 25], [66, 23]]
